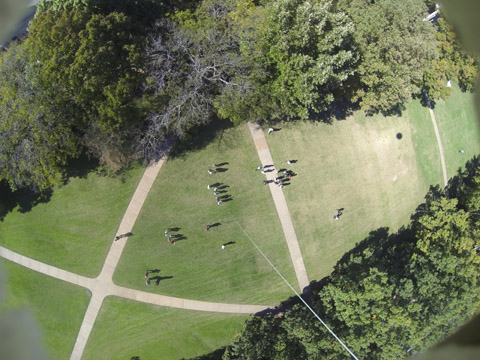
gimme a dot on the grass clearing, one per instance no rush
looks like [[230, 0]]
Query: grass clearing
[[198, 267], [125, 329], [378, 169], [75, 228], [459, 129], [57, 306]]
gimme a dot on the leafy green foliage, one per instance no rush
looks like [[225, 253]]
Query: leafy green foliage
[[35, 139], [393, 295], [452, 63], [308, 54], [93, 61], [395, 46]]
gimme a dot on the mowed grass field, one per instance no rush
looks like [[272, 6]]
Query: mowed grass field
[[197, 267], [459, 129], [376, 168], [125, 329], [58, 307], [75, 228]]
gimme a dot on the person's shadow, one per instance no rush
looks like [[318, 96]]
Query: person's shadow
[[229, 243], [160, 278]]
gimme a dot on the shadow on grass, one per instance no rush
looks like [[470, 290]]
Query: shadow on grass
[[25, 199], [214, 355], [379, 249], [79, 168], [199, 137]]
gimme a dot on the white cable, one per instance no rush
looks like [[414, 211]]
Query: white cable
[[290, 286]]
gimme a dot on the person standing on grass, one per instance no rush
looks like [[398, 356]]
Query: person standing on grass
[[146, 275], [207, 227], [270, 130], [148, 282], [166, 232]]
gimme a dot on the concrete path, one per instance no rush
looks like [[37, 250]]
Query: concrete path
[[103, 285], [281, 205], [440, 147], [49, 270]]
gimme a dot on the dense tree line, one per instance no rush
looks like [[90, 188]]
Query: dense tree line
[[117, 79], [393, 295]]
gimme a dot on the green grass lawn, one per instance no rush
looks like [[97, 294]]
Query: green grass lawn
[[125, 329], [459, 129], [73, 230], [199, 268], [358, 164], [57, 306]]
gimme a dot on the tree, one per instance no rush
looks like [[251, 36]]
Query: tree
[[35, 139], [452, 63], [94, 61], [391, 296], [394, 45], [194, 69], [308, 53]]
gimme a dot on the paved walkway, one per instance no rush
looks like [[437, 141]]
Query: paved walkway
[[281, 205], [103, 285], [440, 147]]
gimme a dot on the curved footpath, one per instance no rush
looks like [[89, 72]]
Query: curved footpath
[[103, 285]]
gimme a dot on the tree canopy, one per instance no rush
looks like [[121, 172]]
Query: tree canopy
[[35, 139], [395, 46], [393, 295], [308, 53]]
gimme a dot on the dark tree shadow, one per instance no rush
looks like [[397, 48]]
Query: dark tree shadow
[[425, 101], [25, 199], [337, 110], [79, 168], [214, 355], [199, 137]]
